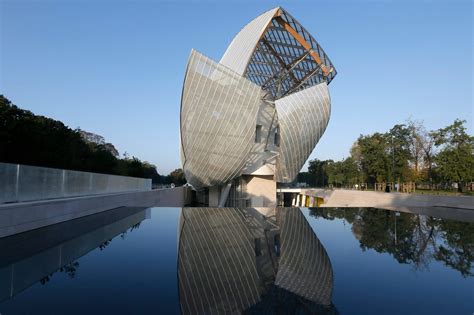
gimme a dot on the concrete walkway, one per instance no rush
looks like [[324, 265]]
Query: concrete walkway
[[357, 198], [449, 207]]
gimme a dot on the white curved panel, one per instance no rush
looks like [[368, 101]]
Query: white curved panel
[[240, 50], [303, 117], [218, 116]]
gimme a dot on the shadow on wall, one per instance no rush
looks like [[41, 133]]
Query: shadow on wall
[[261, 190], [261, 201]]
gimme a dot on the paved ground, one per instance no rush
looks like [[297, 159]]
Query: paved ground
[[450, 207]]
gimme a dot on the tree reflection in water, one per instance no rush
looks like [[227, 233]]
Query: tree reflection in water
[[71, 268], [410, 238]]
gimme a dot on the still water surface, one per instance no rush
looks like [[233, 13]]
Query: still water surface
[[202, 260]]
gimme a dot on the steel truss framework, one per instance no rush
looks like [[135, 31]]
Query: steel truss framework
[[288, 59]]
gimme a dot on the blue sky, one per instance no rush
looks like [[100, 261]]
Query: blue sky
[[116, 67]]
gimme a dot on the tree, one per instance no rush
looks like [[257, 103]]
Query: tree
[[422, 149], [330, 171], [373, 157], [317, 172], [306, 177], [30, 139], [93, 138], [176, 177], [351, 172], [356, 156], [455, 160], [399, 141], [339, 174]]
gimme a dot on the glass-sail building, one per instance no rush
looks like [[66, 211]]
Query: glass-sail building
[[252, 119]]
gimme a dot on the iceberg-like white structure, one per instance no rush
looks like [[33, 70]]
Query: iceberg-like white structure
[[253, 119]]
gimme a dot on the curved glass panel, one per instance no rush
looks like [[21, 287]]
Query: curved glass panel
[[302, 117], [218, 116], [237, 55], [277, 54]]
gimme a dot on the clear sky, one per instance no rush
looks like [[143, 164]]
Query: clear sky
[[116, 67]]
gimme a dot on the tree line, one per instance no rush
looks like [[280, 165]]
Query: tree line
[[407, 152], [26, 138]]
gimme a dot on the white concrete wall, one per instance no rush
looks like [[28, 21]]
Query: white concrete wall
[[214, 196], [20, 183], [24, 216], [356, 198], [448, 207], [261, 190]]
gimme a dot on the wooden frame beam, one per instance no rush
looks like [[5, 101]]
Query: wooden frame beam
[[303, 43]]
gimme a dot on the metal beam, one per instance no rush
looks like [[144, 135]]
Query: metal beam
[[259, 74], [254, 62], [278, 58], [303, 43], [303, 80], [273, 42], [296, 68]]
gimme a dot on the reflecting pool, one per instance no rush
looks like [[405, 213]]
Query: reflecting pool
[[251, 261]]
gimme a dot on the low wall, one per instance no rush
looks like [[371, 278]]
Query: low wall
[[459, 208], [393, 200], [20, 183], [20, 217]]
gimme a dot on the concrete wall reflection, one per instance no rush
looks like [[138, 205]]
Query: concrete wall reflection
[[30, 257]]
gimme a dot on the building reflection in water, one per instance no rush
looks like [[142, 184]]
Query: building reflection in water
[[33, 256], [252, 261]]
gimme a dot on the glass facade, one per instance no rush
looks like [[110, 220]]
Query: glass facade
[[261, 110]]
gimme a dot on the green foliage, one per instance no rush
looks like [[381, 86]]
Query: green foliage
[[93, 138], [350, 172], [373, 158], [404, 153], [455, 161], [175, 177], [317, 173], [399, 140], [306, 177], [338, 174], [29, 139]]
